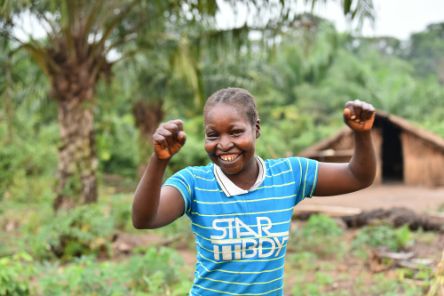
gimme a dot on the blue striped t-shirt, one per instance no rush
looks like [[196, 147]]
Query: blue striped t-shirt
[[241, 240]]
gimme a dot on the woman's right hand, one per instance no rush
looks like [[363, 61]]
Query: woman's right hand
[[168, 139]]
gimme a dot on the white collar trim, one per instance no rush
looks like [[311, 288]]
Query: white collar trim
[[229, 188]]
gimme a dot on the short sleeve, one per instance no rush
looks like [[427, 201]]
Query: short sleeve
[[184, 182], [306, 175]]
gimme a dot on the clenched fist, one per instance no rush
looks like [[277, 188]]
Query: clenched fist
[[359, 116], [168, 139]]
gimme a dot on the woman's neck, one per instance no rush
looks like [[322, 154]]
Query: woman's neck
[[247, 178]]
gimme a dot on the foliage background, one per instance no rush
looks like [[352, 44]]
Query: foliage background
[[301, 81]]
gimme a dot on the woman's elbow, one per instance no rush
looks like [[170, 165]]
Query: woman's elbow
[[367, 181], [139, 223]]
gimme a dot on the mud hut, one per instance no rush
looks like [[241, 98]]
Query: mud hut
[[405, 153]]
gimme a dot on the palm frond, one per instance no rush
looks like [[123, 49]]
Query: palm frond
[[92, 16], [39, 55], [185, 67], [110, 26]]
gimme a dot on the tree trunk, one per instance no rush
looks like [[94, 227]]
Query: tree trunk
[[74, 67], [76, 178], [147, 117]]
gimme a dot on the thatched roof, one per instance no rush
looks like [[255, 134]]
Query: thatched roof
[[322, 147]]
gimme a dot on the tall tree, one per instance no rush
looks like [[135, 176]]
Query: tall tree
[[426, 51]]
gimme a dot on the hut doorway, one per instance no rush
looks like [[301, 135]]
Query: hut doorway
[[392, 156]]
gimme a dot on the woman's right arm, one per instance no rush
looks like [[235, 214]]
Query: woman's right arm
[[155, 206]]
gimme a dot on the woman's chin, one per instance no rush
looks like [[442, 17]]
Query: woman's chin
[[230, 168]]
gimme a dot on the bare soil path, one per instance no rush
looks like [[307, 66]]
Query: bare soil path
[[419, 199]]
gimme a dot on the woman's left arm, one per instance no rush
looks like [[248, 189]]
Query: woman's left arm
[[359, 173]]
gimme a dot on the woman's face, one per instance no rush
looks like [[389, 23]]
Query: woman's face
[[230, 138]]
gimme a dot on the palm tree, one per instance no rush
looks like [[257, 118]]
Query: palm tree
[[74, 58]]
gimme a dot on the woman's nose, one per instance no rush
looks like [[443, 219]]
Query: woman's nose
[[225, 143]]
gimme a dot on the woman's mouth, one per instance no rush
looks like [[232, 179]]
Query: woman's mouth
[[228, 158]]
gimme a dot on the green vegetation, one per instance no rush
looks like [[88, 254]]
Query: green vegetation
[[301, 76], [76, 253], [321, 236], [153, 273], [345, 271], [14, 272], [383, 236], [50, 256]]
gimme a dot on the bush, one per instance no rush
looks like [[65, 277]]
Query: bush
[[382, 236], [85, 276], [116, 145], [14, 272], [320, 235], [120, 211], [27, 166], [317, 287], [154, 273], [85, 230], [19, 224], [303, 261]]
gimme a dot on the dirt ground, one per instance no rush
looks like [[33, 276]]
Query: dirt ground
[[419, 199]]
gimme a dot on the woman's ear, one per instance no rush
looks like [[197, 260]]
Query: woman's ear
[[258, 128]]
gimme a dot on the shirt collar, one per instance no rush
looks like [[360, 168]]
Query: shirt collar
[[229, 188]]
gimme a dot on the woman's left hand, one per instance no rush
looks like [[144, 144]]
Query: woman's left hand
[[359, 116]]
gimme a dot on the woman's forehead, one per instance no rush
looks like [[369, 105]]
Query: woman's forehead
[[223, 111]]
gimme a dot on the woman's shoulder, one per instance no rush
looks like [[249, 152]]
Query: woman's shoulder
[[285, 163], [277, 161], [284, 159], [200, 171]]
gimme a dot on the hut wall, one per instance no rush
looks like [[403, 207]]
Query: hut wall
[[346, 143], [343, 143], [423, 162]]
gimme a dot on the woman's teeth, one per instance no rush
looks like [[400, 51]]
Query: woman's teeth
[[227, 157]]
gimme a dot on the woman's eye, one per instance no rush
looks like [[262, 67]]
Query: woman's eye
[[236, 132]]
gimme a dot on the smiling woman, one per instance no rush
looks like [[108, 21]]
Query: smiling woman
[[240, 205]]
